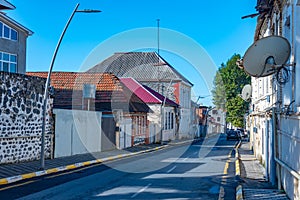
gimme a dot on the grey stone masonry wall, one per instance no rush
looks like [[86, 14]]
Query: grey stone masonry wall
[[21, 102]]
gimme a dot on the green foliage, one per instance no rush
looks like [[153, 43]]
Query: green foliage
[[228, 84], [219, 92]]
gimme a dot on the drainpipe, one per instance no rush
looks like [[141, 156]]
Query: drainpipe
[[272, 149], [293, 55], [267, 150]]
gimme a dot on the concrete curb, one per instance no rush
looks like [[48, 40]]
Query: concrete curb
[[239, 192], [13, 179], [239, 188]]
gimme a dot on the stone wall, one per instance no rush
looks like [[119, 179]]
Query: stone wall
[[21, 100]]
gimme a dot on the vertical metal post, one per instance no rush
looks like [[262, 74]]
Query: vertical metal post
[[162, 124], [272, 150], [158, 48], [45, 99], [162, 110]]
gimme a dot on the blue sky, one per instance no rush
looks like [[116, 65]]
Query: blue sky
[[216, 26]]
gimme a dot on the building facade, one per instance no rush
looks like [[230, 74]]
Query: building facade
[[274, 120], [152, 70], [162, 119], [13, 43], [95, 105]]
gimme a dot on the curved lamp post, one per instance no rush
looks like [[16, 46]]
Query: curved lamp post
[[44, 108]]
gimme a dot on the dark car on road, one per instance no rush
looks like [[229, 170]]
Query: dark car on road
[[232, 134], [244, 133]]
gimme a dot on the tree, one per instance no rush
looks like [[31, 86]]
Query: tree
[[228, 84]]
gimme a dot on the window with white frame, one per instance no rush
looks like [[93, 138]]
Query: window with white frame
[[8, 32], [8, 62], [169, 121]]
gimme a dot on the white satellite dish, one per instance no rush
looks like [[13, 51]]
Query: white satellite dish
[[265, 55], [246, 92]]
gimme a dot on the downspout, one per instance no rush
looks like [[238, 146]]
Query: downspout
[[293, 55], [273, 148], [267, 150]]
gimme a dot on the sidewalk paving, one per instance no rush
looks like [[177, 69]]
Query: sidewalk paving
[[254, 183]]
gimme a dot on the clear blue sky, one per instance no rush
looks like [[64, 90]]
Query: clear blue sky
[[216, 26]]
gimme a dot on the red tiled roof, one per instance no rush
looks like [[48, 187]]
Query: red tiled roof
[[145, 93], [76, 80], [110, 92]]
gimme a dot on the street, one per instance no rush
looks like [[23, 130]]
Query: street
[[201, 170]]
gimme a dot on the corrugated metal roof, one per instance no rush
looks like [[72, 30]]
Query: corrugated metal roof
[[110, 92], [142, 66], [145, 93]]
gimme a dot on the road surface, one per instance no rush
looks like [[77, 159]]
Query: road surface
[[201, 170]]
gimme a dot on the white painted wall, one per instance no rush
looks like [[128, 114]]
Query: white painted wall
[[185, 123], [77, 132], [125, 133], [155, 124]]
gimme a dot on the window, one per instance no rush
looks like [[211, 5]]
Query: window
[[8, 32], [172, 121], [168, 121], [1, 28], [8, 62], [13, 34]]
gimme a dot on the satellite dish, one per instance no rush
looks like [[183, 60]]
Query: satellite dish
[[246, 92], [265, 55]]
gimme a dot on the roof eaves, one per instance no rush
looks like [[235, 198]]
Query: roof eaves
[[5, 5], [147, 90], [4, 16]]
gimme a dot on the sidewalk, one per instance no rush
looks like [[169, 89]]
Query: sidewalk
[[254, 185]]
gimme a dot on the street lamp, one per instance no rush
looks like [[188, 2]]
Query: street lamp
[[44, 108]]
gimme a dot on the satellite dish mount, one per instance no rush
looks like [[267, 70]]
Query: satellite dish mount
[[267, 56]]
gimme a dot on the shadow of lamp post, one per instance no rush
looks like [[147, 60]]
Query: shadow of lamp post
[[44, 108]]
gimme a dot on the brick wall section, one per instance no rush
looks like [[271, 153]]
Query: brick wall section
[[21, 100]]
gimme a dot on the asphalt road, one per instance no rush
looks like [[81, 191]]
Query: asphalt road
[[201, 170]]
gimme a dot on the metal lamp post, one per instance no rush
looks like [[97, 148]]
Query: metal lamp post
[[44, 108]]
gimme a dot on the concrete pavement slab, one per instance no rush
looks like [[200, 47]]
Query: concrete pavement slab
[[254, 185]]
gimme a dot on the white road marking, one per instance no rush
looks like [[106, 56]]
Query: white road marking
[[170, 170], [186, 158], [141, 190]]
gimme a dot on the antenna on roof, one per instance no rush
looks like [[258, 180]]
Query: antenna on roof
[[158, 36]]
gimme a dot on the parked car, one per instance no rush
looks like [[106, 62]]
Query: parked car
[[243, 133], [233, 134]]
